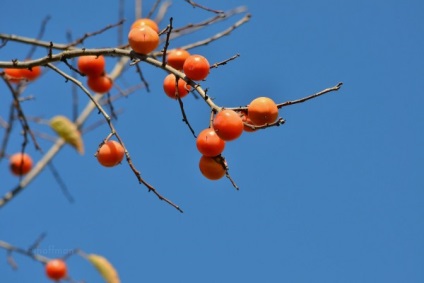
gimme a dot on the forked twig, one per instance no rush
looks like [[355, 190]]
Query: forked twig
[[217, 36], [87, 35]]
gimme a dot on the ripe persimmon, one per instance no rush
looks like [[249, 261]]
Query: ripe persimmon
[[262, 110], [228, 125], [169, 87], [145, 22], [20, 163], [143, 39], [32, 74], [177, 57], [110, 154], [91, 65], [13, 75], [209, 143], [212, 168], [196, 67], [100, 84], [56, 269]]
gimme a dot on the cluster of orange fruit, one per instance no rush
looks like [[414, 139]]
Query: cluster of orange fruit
[[228, 125], [94, 68]]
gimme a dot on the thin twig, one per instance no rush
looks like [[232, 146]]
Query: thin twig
[[61, 183], [87, 35], [121, 15], [278, 122], [287, 103], [168, 33], [142, 181], [153, 9], [74, 89], [138, 9], [221, 160], [111, 108], [217, 36], [39, 36], [37, 242], [9, 127], [162, 11], [192, 3], [22, 119], [11, 261], [216, 65], [185, 119], [142, 78], [190, 28]]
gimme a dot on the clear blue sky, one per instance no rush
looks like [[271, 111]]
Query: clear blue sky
[[334, 195]]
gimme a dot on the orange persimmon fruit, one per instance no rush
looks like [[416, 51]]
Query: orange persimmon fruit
[[209, 143], [110, 154], [228, 125], [20, 163], [13, 75], [32, 74], [262, 110], [91, 65], [177, 57], [169, 87], [212, 168], [145, 22], [56, 269], [143, 39], [196, 67], [101, 84]]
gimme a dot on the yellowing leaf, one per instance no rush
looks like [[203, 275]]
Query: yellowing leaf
[[67, 130], [104, 267]]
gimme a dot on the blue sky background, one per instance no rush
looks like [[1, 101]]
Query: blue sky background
[[334, 195]]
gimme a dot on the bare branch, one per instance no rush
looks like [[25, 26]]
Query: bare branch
[[162, 11], [190, 28], [142, 78], [192, 3], [39, 36], [168, 33], [138, 9], [22, 118], [87, 35], [225, 61], [217, 36], [121, 15], [327, 90], [153, 9], [61, 183], [180, 102]]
